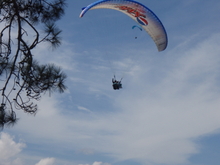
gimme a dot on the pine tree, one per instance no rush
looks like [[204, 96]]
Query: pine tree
[[22, 79]]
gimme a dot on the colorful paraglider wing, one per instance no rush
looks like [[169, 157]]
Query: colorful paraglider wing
[[140, 13], [135, 26]]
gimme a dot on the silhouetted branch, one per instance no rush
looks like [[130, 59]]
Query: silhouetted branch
[[24, 80]]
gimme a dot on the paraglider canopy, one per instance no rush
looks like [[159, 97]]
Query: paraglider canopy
[[138, 12], [135, 26]]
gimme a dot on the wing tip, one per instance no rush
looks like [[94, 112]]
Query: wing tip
[[162, 47]]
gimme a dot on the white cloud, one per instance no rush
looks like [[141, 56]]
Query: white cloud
[[155, 119], [46, 161], [97, 163], [83, 109], [9, 150], [100, 163], [159, 122]]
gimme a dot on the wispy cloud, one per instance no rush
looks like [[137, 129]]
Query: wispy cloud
[[156, 119], [97, 163], [46, 161], [84, 109]]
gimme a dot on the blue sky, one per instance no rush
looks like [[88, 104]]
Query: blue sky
[[167, 112]]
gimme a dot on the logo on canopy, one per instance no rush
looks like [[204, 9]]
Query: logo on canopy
[[142, 21], [141, 18]]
